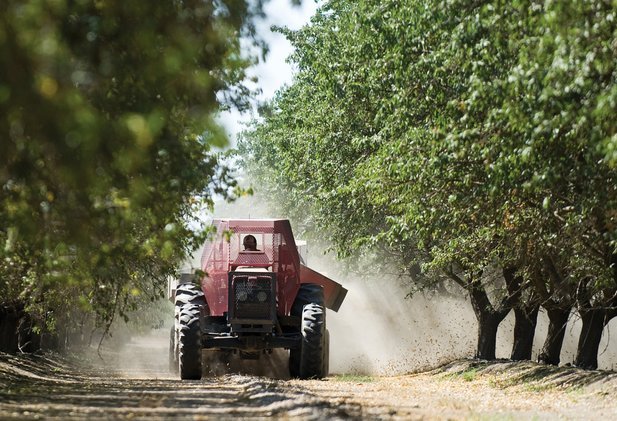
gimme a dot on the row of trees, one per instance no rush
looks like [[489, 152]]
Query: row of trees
[[468, 142], [106, 127]]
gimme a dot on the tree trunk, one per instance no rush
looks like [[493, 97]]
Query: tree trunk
[[488, 323], [551, 350], [525, 314], [28, 340], [488, 317], [9, 317], [526, 319], [589, 341]]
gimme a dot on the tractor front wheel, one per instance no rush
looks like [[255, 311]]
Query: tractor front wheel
[[313, 341], [189, 343], [310, 360]]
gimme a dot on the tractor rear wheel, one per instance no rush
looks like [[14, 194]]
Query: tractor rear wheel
[[308, 361], [313, 338], [187, 339], [189, 343]]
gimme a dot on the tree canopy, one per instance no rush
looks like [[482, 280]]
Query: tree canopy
[[107, 126], [456, 135]]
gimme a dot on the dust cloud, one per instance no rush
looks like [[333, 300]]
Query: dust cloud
[[134, 349], [379, 331], [145, 355]]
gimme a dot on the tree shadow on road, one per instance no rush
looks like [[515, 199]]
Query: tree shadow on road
[[505, 373]]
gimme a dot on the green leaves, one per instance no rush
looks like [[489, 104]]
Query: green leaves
[[107, 119], [451, 132]]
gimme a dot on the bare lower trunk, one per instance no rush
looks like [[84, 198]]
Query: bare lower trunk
[[488, 323], [551, 350], [526, 319], [589, 341], [526, 307], [9, 318], [487, 315], [28, 339]]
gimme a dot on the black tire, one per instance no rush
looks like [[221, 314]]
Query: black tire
[[313, 337], [189, 343], [307, 362], [189, 294], [187, 346], [308, 293], [173, 352]]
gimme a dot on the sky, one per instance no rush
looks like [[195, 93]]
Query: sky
[[272, 75], [274, 72]]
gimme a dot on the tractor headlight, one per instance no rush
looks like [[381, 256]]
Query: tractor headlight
[[262, 296], [242, 295]]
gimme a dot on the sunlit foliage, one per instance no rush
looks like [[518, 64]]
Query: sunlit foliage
[[455, 133]]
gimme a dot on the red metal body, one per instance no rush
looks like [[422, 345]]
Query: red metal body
[[276, 253]]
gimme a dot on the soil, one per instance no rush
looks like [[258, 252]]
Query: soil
[[49, 386]]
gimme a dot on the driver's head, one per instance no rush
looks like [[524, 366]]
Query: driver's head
[[250, 243]]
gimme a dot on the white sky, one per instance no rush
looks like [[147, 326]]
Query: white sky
[[275, 72]]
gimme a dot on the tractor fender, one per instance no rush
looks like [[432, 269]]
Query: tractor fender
[[334, 293]]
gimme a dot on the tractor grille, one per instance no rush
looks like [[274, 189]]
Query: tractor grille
[[252, 298]]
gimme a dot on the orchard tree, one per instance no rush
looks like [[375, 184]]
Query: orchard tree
[[364, 122], [107, 123]]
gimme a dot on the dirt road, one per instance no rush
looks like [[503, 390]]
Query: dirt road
[[51, 387]]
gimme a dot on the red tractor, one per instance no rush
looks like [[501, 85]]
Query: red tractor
[[255, 295]]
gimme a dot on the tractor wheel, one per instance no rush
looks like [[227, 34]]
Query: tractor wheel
[[308, 293], [308, 361], [173, 352], [313, 341], [189, 343], [188, 294]]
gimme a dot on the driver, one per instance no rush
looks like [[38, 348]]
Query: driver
[[250, 243]]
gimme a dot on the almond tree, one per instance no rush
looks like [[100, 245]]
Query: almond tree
[[107, 122]]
